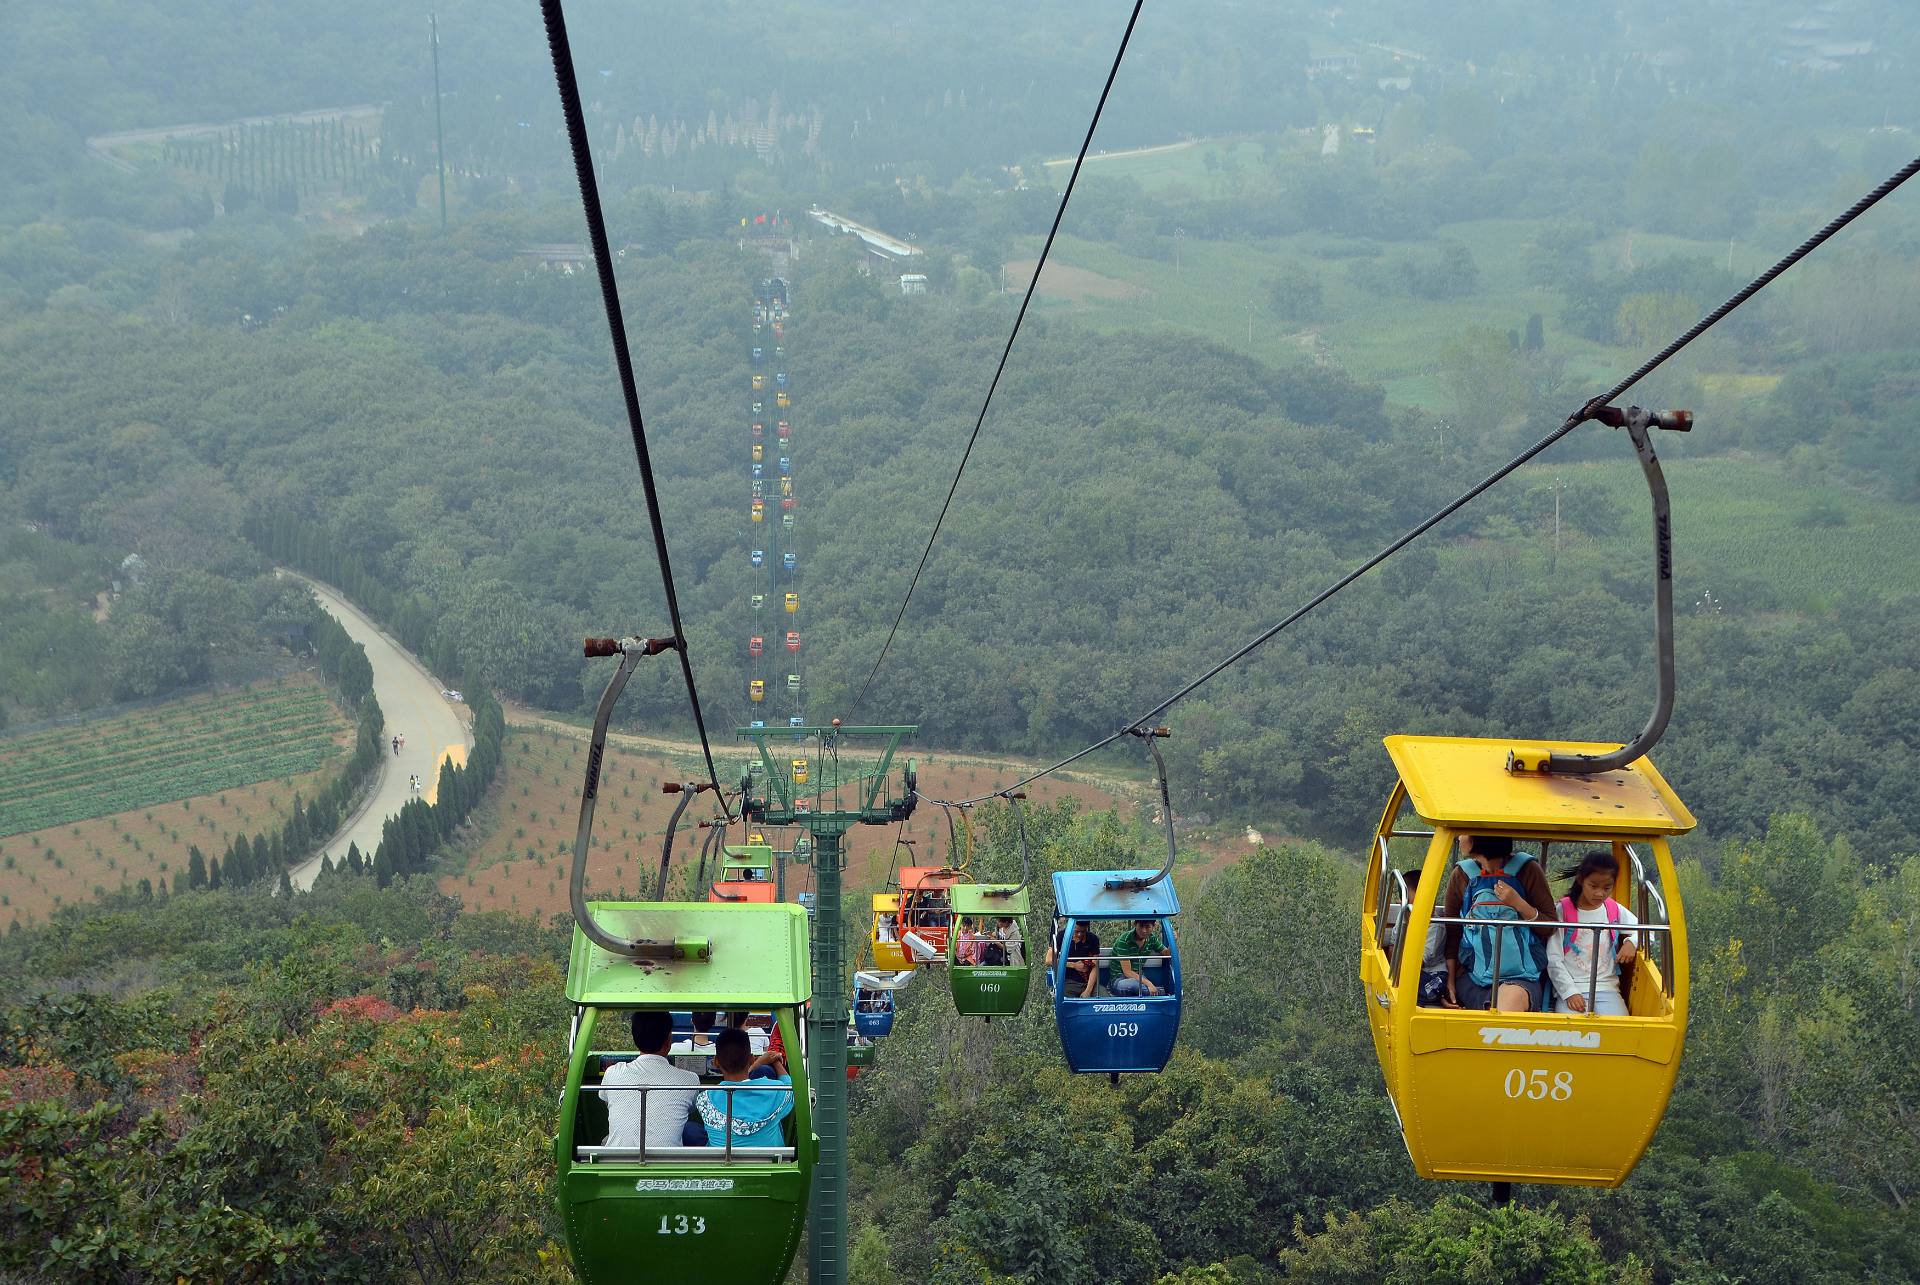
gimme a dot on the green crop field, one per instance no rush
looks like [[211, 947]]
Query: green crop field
[[1811, 543], [1394, 340], [197, 746]]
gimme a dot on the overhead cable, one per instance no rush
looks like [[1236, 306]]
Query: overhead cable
[[1573, 421], [967, 454], [557, 43]]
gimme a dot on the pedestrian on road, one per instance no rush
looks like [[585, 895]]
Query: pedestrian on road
[[396, 747]]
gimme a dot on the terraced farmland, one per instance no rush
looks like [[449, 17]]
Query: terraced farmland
[[524, 853], [201, 745]]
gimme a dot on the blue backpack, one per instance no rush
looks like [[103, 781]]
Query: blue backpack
[[1521, 956]]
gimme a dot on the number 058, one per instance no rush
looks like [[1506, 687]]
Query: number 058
[[1536, 1084]]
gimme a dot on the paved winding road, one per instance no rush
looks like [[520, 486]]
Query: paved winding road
[[434, 728]]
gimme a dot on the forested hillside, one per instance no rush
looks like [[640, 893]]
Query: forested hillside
[[1326, 267], [1138, 506], [360, 1082]]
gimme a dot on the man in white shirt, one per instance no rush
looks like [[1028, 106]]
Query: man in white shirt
[[695, 1053], [669, 1091]]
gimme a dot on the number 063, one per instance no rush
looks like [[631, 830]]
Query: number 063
[[1536, 1084]]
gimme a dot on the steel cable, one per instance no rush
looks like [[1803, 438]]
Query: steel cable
[[1027, 299], [1572, 422], [562, 52]]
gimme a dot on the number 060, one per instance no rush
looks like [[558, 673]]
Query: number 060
[[1536, 1085]]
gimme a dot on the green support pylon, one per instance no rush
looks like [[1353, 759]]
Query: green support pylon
[[839, 797]]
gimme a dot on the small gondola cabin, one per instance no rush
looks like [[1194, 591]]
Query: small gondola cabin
[[988, 972], [746, 875], [671, 1213], [888, 953], [1114, 1019], [926, 911], [1534, 1095]]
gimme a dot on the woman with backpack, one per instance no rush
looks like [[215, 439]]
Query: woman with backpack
[[1493, 882], [1581, 960]]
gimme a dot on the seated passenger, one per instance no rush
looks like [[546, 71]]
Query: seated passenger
[[667, 1090], [966, 949], [1582, 961], [756, 1113], [1433, 956], [696, 1051], [1494, 882], [1083, 960], [1126, 970], [1004, 945]]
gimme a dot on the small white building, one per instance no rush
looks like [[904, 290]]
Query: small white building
[[913, 283]]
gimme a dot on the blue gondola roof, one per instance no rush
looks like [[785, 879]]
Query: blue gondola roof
[[1084, 894]]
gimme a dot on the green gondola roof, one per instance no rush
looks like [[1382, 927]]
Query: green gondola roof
[[758, 957], [752, 856], [978, 899]]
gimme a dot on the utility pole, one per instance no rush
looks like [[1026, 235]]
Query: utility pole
[[439, 136], [1179, 239], [843, 794], [1249, 323], [1558, 488]]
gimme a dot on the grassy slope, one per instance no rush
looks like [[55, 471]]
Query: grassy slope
[[1742, 518]]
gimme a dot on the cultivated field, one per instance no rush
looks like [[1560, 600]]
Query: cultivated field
[[75, 859], [200, 745], [523, 857], [1394, 340], [1810, 542]]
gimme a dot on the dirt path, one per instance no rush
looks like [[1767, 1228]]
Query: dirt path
[[1011, 769], [1131, 151], [434, 727]]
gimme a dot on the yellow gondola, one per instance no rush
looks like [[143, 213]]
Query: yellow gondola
[[888, 953], [1527, 1097], [1511, 1090]]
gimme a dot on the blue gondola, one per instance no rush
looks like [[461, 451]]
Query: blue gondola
[[758, 557], [786, 465], [1104, 1033], [759, 355], [757, 468], [780, 379], [873, 1013], [788, 561]]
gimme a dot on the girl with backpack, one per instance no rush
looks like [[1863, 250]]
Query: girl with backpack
[[1579, 959]]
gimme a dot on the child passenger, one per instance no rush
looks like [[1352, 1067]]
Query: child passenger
[[1577, 960]]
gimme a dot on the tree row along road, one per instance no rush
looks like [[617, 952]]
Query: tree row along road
[[434, 728]]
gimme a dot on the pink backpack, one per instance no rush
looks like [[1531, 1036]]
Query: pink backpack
[[1569, 914]]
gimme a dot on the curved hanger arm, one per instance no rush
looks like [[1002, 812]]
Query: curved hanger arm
[[1152, 736], [1637, 422], [1014, 799], [686, 790], [630, 651]]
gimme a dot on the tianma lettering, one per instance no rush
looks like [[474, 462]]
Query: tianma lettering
[[684, 1184], [1540, 1039], [1119, 1008]]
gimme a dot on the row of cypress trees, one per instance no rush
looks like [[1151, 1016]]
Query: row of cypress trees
[[414, 834]]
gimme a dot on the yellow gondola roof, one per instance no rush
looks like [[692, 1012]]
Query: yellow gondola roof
[[758, 958], [1463, 781]]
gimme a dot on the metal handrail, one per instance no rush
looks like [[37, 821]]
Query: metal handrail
[[699, 1153], [1499, 940], [1400, 929], [642, 1155]]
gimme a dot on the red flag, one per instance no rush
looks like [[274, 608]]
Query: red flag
[[759, 218]]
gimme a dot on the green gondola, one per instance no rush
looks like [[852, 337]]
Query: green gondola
[[671, 1213], [996, 987]]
